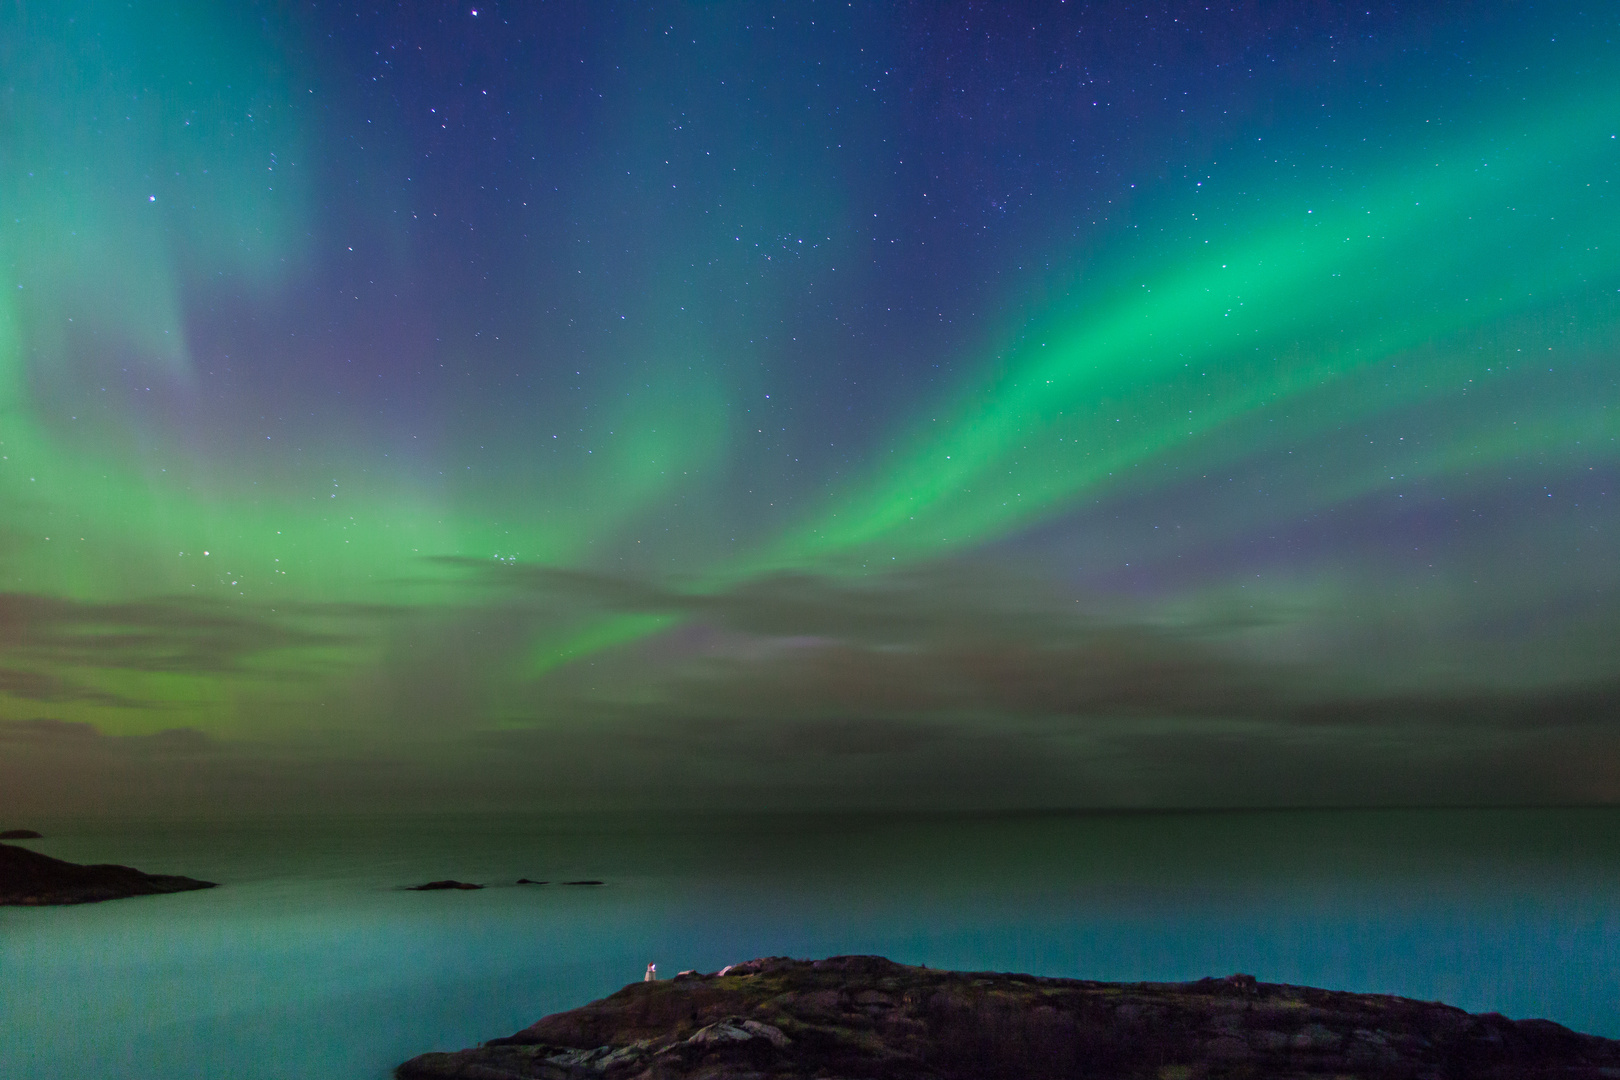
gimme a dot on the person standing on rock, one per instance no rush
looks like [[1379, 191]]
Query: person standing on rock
[[652, 973]]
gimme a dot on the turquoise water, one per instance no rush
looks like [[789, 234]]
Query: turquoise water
[[310, 962]]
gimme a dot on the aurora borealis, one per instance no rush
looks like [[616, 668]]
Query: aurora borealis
[[808, 404]]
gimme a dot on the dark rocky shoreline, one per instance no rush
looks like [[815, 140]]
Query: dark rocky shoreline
[[29, 879], [866, 1017]]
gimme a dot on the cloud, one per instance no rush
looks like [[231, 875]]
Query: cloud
[[1584, 704], [82, 739], [968, 641], [50, 765], [155, 635], [945, 641], [40, 686], [955, 600], [851, 736], [952, 685], [963, 684]]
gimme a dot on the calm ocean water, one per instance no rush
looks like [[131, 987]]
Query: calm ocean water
[[310, 962]]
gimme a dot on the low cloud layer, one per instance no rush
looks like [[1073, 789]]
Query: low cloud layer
[[166, 635], [953, 686]]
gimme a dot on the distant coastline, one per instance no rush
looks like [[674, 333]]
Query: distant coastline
[[30, 879]]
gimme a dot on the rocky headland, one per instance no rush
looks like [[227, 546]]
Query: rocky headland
[[866, 1017], [30, 879]]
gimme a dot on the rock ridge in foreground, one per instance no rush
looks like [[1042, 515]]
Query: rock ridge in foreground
[[29, 879], [866, 1018]]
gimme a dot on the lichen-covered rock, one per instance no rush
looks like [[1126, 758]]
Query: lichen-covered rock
[[865, 1017]]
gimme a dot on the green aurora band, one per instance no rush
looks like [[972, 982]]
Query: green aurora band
[[1267, 320], [1279, 323]]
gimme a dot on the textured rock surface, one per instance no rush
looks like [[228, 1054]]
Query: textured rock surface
[[858, 1017], [30, 879]]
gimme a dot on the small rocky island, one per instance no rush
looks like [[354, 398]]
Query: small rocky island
[[447, 883], [866, 1017], [30, 879]]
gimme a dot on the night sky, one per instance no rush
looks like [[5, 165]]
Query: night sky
[[808, 404]]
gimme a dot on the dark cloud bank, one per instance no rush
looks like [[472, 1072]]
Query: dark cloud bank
[[949, 688]]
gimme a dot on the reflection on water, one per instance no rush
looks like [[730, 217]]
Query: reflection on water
[[310, 962]]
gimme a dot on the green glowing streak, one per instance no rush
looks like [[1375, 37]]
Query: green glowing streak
[[596, 636], [1192, 358], [131, 135], [205, 167], [1204, 352], [1311, 299]]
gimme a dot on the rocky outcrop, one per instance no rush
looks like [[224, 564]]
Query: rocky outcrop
[[865, 1017], [447, 883], [30, 879]]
